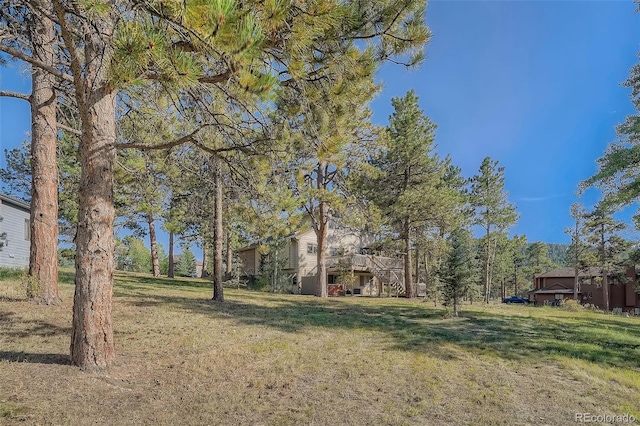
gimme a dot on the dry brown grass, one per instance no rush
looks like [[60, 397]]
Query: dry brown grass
[[288, 360]]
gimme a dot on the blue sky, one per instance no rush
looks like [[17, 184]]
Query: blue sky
[[532, 84]]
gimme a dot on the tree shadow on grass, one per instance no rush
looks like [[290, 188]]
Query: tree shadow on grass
[[128, 279], [419, 327], [21, 328], [34, 358], [13, 299]]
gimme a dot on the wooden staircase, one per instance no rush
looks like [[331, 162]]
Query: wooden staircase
[[390, 271], [389, 274]]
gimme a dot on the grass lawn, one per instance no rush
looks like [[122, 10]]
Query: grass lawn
[[262, 359]]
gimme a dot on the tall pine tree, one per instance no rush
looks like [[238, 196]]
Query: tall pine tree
[[409, 183], [494, 213], [603, 233], [459, 270]]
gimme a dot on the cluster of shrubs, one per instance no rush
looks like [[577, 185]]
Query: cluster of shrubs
[[571, 305]]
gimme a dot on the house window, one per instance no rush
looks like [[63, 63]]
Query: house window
[[312, 248], [331, 279], [558, 296], [27, 230]]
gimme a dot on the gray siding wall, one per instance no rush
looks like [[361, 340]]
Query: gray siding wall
[[15, 253]]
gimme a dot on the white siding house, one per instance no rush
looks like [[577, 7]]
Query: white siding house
[[15, 223]]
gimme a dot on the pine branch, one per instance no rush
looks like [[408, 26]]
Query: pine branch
[[69, 129], [76, 67], [182, 140], [8, 94], [35, 62], [25, 97]]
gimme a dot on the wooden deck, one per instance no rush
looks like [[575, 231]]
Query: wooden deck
[[363, 263]]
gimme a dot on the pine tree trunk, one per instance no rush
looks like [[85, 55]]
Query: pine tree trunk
[[429, 278], [576, 258], [486, 272], [605, 291], [155, 262], [205, 260], [92, 344], [171, 273], [417, 267], [321, 234], [218, 231], [409, 288], [43, 252], [321, 289], [492, 262], [229, 266], [605, 280]]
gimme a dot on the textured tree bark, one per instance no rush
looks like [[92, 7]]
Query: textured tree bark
[[487, 267], [218, 232], [417, 266], [321, 289], [43, 253], [171, 272], [229, 267], [409, 287], [155, 262], [92, 344], [321, 234], [205, 260], [605, 290], [605, 279]]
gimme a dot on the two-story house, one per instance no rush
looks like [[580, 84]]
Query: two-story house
[[15, 228], [351, 268], [558, 284]]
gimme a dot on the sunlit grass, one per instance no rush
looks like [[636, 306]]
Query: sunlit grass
[[285, 359]]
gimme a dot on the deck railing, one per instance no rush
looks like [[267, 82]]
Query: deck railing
[[364, 262]]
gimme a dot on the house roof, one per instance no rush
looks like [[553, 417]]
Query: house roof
[[267, 240], [555, 288], [14, 201], [592, 271], [554, 291]]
